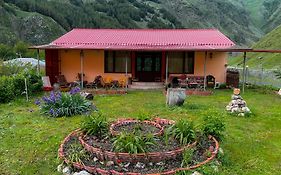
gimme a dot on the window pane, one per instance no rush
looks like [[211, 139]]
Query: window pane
[[176, 62], [189, 63], [158, 64], [108, 61], [120, 61], [147, 64]]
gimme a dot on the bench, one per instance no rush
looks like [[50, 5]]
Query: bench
[[189, 81]]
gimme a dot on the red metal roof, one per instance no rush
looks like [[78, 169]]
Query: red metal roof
[[143, 39]]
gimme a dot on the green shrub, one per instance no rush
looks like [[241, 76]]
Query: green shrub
[[64, 104], [133, 143], [7, 89], [96, 125], [183, 131], [142, 116], [187, 156], [76, 153], [214, 126]]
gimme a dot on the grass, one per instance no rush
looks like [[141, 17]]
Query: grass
[[29, 141], [269, 60]]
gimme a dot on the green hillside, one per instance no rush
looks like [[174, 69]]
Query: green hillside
[[266, 60], [52, 18]]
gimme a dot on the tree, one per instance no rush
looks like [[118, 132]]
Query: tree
[[6, 52], [21, 49]]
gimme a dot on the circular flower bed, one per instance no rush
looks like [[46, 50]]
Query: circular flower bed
[[164, 156], [131, 125]]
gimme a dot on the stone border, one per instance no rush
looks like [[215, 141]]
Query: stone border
[[118, 156], [127, 121], [92, 169]]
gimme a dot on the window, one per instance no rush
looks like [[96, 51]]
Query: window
[[115, 61], [181, 62]]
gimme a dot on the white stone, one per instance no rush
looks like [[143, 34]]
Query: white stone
[[233, 110], [221, 151], [246, 110], [60, 168], [127, 165], [228, 108], [82, 173], [95, 159], [196, 173], [140, 165], [66, 170], [160, 164], [279, 92], [241, 114], [109, 163]]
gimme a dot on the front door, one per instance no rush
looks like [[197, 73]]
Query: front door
[[148, 66]]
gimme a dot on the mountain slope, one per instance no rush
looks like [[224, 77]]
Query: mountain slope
[[63, 15], [266, 60]]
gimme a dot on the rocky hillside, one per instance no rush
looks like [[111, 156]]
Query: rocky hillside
[[39, 22], [266, 60]]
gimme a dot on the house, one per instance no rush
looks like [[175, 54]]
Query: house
[[146, 55]]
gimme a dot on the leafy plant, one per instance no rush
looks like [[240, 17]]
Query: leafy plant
[[59, 104], [7, 89], [278, 74], [142, 116], [76, 153], [183, 131], [96, 125], [213, 126], [133, 143], [187, 157]]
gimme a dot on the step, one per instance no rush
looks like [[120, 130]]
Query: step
[[148, 83], [145, 87]]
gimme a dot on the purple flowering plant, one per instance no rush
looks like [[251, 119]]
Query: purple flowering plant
[[58, 104]]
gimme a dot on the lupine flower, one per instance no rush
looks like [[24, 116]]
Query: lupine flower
[[37, 102], [74, 90], [51, 111]]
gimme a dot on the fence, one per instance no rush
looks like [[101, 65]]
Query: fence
[[260, 77]]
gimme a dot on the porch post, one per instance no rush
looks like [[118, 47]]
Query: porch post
[[82, 68], [126, 73], [38, 63], [244, 67], [167, 67], [205, 62]]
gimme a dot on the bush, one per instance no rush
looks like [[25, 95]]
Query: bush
[[95, 125], [213, 126], [183, 131], [187, 156], [64, 104], [132, 143], [7, 89]]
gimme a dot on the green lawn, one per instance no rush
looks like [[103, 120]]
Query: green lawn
[[29, 141]]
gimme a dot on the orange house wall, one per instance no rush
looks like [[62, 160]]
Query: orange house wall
[[214, 66], [94, 65]]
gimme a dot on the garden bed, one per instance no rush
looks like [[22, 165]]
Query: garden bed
[[130, 125], [165, 156], [202, 154]]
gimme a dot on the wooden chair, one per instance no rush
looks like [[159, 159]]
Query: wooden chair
[[107, 82], [122, 82]]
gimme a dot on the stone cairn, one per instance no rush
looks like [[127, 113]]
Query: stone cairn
[[238, 105]]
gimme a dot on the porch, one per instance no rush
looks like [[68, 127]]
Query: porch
[[135, 66]]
